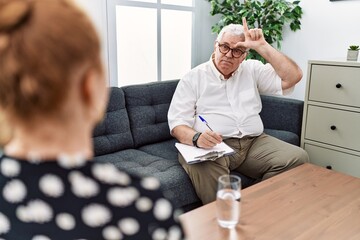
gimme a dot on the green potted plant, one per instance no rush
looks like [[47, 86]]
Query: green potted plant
[[269, 15], [353, 53]]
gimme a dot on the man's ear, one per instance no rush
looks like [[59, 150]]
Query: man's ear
[[245, 55]]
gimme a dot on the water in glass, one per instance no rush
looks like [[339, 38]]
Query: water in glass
[[228, 207]]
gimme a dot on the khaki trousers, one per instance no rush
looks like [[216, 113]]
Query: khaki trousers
[[257, 157]]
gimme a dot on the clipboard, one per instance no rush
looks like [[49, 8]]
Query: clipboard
[[193, 154]]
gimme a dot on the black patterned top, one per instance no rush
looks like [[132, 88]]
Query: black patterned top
[[75, 199]]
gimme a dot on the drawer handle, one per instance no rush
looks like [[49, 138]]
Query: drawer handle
[[338, 85], [333, 127]]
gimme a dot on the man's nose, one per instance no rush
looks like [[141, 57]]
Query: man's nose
[[229, 54]]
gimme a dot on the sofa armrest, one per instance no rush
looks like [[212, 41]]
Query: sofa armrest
[[281, 113]]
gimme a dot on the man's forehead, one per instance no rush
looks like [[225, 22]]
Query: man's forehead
[[232, 39]]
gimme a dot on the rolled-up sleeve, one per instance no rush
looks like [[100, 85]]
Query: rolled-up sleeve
[[183, 104], [269, 81]]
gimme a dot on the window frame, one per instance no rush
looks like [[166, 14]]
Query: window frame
[[112, 35]]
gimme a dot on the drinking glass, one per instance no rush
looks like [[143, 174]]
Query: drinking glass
[[228, 201]]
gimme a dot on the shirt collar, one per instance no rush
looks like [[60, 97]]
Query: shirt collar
[[216, 71]]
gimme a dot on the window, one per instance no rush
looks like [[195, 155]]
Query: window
[[149, 40]]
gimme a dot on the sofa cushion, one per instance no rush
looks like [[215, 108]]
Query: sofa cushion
[[113, 133], [164, 149], [147, 106], [286, 136], [175, 183]]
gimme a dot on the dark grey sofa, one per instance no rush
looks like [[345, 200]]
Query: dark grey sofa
[[135, 136]]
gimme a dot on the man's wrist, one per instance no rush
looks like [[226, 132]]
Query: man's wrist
[[265, 50], [195, 139]]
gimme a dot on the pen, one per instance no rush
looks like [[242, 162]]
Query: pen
[[204, 121]]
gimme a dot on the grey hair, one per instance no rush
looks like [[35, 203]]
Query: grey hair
[[233, 29]]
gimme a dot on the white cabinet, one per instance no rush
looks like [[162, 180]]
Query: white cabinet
[[331, 122]]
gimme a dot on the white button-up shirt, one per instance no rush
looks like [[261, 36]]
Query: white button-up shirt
[[231, 107]]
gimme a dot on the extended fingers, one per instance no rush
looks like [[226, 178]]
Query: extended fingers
[[246, 29], [255, 34]]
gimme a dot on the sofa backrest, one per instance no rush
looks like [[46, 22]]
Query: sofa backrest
[[147, 106], [282, 113], [113, 133], [137, 115]]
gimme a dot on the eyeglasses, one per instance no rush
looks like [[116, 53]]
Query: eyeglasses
[[235, 52]]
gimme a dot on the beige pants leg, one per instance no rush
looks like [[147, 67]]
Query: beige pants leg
[[204, 175], [260, 158], [269, 156]]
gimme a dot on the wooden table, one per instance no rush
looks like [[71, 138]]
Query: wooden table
[[307, 202]]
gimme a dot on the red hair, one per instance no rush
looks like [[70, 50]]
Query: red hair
[[42, 44]]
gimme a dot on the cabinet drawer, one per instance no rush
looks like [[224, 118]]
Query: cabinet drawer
[[339, 161], [333, 126], [335, 84]]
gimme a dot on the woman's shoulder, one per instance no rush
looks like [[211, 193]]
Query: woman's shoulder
[[89, 196]]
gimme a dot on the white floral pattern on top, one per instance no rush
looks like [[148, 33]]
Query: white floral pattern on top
[[159, 234], [96, 215], [71, 161], [51, 185], [107, 173], [83, 186], [162, 209], [4, 224], [174, 233], [121, 197], [14, 191], [129, 226], [36, 211], [94, 201], [65, 221], [150, 183], [10, 168], [112, 233], [40, 237], [144, 204]]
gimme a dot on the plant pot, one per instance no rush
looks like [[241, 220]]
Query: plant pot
[[352, 55]]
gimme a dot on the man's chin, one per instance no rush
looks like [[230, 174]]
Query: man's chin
[[226, 69], [226, 65]]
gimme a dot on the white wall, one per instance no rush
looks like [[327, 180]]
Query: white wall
[[327, 29], [96, 9], [203, 23]]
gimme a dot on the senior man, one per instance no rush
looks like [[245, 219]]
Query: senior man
[[226, 92]]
